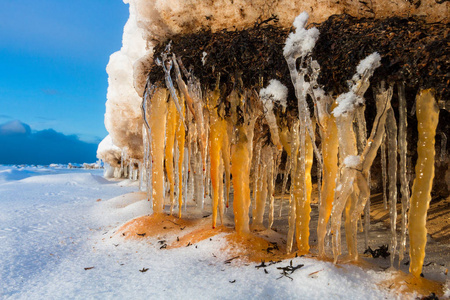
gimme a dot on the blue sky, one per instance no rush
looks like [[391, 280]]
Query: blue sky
[[53, 55]]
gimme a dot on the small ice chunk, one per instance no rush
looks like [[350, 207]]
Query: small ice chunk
[[346, 102], [352, 161], [276, 92], [371, 62], [302, 41], [204, 54]]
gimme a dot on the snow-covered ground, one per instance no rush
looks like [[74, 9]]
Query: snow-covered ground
[[55, 229]]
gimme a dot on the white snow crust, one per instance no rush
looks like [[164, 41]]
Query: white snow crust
[[274, 92], [371, 62], [346, 103], [301, 41]]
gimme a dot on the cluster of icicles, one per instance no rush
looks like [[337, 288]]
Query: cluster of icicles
[[188, 142]]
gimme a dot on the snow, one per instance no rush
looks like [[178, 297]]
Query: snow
[[276, 92], [55, 224], [352, 161], [123, 117], [346, 103], [371, 62], [301, 41]]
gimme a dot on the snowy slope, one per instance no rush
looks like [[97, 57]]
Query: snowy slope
[[52, 227]]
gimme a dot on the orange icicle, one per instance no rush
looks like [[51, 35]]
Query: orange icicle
[[171, 123], [303, 209], [241, 180], [330, 148], [427, 114], [180, 137], [158, 128]]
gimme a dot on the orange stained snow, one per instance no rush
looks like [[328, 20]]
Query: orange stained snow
[[408, 283], [156, 225]]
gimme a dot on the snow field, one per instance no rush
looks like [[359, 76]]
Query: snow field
[[52, 227]]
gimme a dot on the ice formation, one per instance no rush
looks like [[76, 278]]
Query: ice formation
[[198, 144], [428, 116], [111, 155]]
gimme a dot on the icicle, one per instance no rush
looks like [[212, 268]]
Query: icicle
[[180, 136], [367, 221], [287, 171], [207, 171], [344, 114], [182, 85], [362, 141], [443, 151], [294, 147], [166, 64], [261, 189], [171, 123], [383, 103], [298, 45], [227, 165], [240, 170], [271, 184], [198, 177], [383, 170], [178, 173], [130, 169], [427, 114], [146, 135], [391, 128], [157, 124], [350, 236], [330, 147], [185, 178], [275, 92], [217, 148], [256, 173], [195, 92], [123, 163], [221, 192], [303, 210], [347, 148]]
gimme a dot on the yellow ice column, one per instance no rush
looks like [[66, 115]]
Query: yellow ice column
[[330, 148], [218, 132], [171, 122], [427, 114], [300, 203], [158, 127], [180, 137], [240, 173], [303, 209]]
